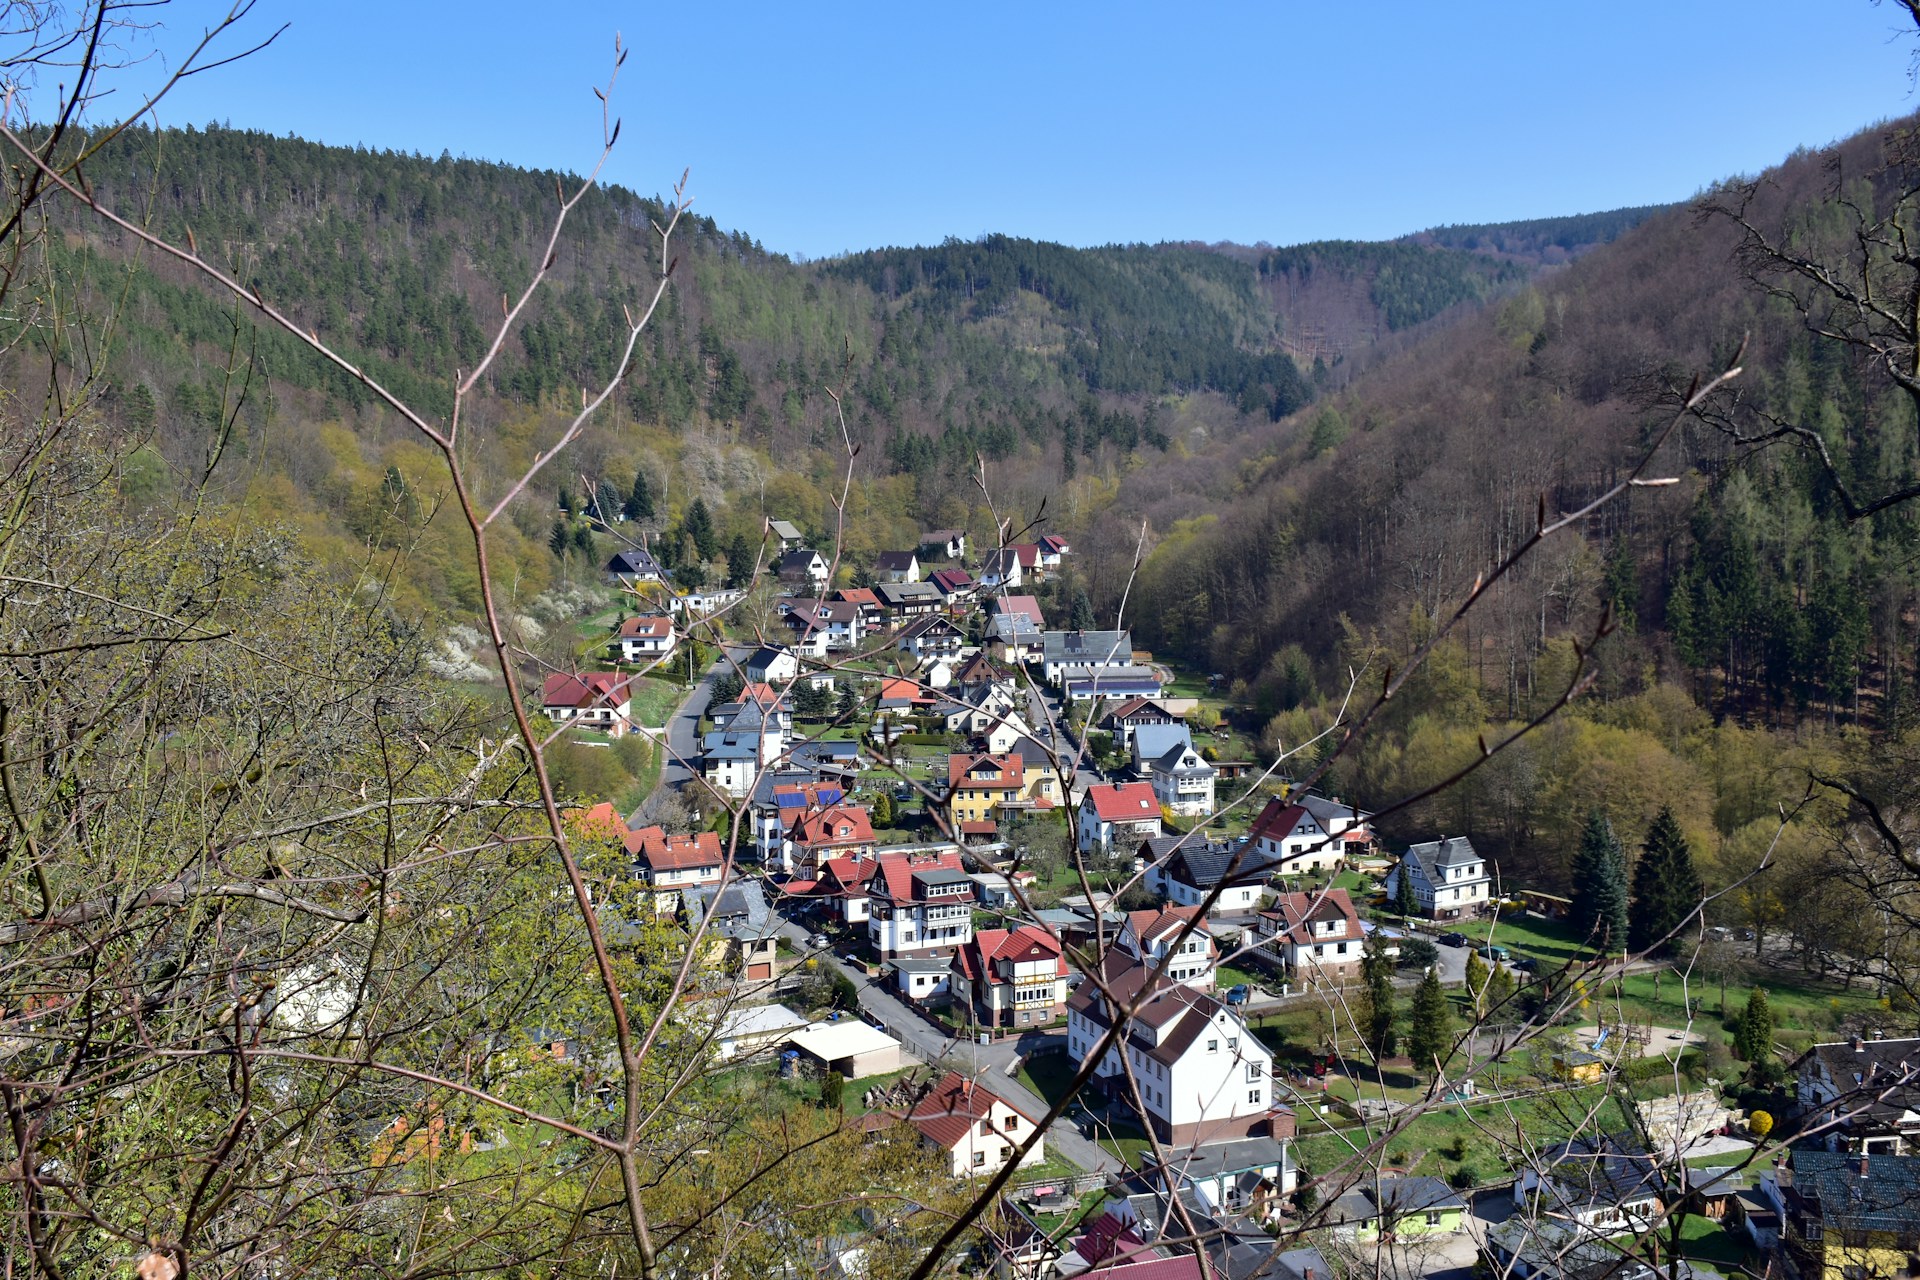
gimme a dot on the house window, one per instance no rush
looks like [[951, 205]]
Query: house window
[[1233, 1043], [1433, 1217], [1255, 1070], [1253, 1096], [1213, 1046], [1013, 1122], [979, 1158]]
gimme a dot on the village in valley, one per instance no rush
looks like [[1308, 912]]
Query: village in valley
[[958, 860]]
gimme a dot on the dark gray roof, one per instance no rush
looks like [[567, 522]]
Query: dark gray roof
[[1437, 855], [895, 561], [1203, 865], [1153, 741], [1887, 1198], [1102, 647], [1327, 811], [635, 561]]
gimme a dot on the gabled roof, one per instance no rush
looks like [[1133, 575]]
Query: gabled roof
[[646, 626], [979, 669], [951, 580], [1292, 913], [1142, 711], [799, 560], [1177, 1014], [1278, 820], [968, 772], [896, 561], [1155, 923], [658, 851], [835, 825], [1202, 864], [600, 822], [1026, 605], [1053, 544], [900, 595], [785, 530], [1028, 552], [588, 689], [1000, 563], [1123, 801], [933, 624], [1327, 812], [899, 692], [634, 562], [863, 596], [952, 1108], [896, 870], [1152, 741], [1025, 944]]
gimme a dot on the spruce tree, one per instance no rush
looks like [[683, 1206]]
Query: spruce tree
[[559, 541], [1666, 888], [1430, 1033], [639, 503], [1376, 969], [699, 526], [1080, 613], [1600, 885], [1753, 1034], [739, 561], [1404, 899]]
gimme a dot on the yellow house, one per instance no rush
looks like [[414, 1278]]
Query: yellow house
[[1851, 1215], [1579, 1066]]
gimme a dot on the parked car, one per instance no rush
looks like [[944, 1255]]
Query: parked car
[[1454, 940], [1489, 951], [1238, 994], [818, 942], [1526, 964]]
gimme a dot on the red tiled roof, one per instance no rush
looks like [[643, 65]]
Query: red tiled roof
[[951, 580], [895, 870], [1123, 801], [601, 822], [1026, 943], [1157, 922], [647, 625], [859, 595], [1053, 542], [954, 1106], [961, 768], [984, 827], [838, 824], [1277, 820], [901, 689], [662, 852], [1028, 552], [1292, 912], [1000, 605], [591, 688]]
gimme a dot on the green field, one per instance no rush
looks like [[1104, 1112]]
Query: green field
[[1487, 1138]]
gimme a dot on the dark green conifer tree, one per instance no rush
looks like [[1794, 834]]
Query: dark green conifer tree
[[1376, 970], [699, 526], [1666, 888], [639, 503], [1600, 885], [1430, 1025]]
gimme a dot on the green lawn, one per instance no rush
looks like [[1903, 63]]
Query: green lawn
[[1048, 1074], [654, 700], [1485, 1137], [1705, 1240], [1228, 975]]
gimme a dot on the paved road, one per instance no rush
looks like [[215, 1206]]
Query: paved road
[[1045, 709], [934, 1045], [683, 729]]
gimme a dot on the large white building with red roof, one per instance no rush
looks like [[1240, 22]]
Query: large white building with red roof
[[836, 831], [919, 904], [1118, 815], [648, 637], [1011, 977]]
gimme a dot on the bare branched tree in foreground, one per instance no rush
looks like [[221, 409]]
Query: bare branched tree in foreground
[[306, 968]]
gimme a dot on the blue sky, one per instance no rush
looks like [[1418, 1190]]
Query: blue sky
[[826, 127]]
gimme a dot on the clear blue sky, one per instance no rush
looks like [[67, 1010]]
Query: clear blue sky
[[824, 127]]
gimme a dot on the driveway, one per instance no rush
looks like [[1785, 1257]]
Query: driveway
[[935, 1046]]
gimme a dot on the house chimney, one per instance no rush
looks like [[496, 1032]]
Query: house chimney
[[1863, 1164]]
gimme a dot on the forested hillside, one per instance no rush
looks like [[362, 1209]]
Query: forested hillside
[[1744, 595], [1063, 369]]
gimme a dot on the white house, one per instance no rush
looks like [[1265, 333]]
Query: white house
[[1173, 939], [1450, 879], [1316, 935], [1118, 814], [770, 664], [1084, 652], [1001, 570], [635, 566], [646, 638], [593, 700], [978, 1128], [1187, 869], [1164, 755], [804, 567], [1290, 835], [897, 566], [1203, 1076], [919, 904]]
